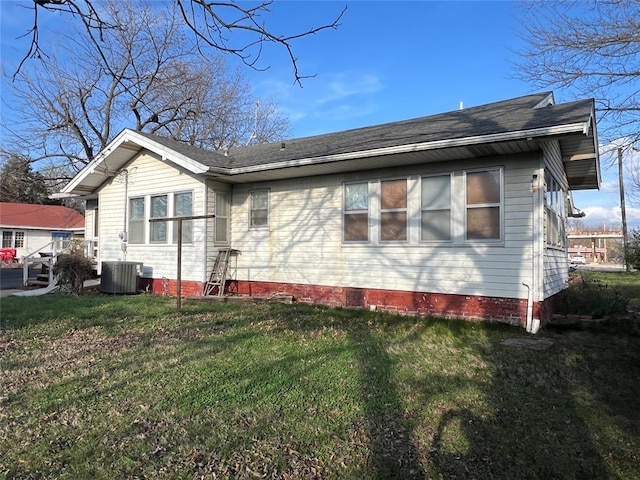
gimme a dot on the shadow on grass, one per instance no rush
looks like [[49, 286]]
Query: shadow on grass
[[263, 387]]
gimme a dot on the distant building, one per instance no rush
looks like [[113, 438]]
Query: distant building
[[32, 228]]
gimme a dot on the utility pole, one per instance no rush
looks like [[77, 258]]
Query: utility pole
[[623, 210]]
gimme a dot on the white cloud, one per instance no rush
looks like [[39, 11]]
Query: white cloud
[[597, 215]]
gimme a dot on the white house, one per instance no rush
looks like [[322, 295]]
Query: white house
[[460, 214], [32, 228]]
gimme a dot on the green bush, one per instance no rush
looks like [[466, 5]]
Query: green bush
[[633, 249], [591, 296]]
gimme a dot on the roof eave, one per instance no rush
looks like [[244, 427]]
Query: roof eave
[[98, 166], [413, 147]]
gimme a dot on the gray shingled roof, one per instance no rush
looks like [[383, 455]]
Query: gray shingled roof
[[498, 128], [506, 116]]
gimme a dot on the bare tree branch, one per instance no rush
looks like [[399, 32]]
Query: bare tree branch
[[155, 81], [225, 26], [591, 48]]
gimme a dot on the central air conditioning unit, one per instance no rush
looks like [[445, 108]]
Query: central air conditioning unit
[[120, 277]]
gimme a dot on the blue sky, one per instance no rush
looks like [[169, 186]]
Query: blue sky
[[387, 61]]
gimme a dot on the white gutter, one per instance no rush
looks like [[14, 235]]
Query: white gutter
[[415, 147]]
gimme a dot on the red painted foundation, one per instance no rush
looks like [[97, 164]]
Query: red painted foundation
[[472, 307]]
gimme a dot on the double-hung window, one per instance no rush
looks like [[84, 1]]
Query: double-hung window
[[435, 221], [259, 208], [158, 210], [136, 221], [393, 210], [221, 220], [183, 207], [356, 212], [483, 194], [12, 239]]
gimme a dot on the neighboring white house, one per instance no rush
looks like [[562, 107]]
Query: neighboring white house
[[460, 214], [31, 228]]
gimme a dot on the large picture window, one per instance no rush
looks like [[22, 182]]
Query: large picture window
[[158, 210], [435, 220], [356, 212], [259, 208], [393, 210], [483, 205]]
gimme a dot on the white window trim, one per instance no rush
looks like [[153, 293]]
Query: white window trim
[[13, 238], [484, 241], [228, 218], [458, 210], [369, 212], [451, 210], [250, 209], [173, 226], [406, 210]]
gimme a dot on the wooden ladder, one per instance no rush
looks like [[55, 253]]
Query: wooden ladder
[[218, 277]]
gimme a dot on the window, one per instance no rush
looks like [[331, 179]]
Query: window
[[222, 217], [158, 210], [555, 211], [12, 239], [61, 239], [259, 208], [483, 204], [183, 207], [435, 221], [18, 239], [393, 210], [356, 212], [136, 220]]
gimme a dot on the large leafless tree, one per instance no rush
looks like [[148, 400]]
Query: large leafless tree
[[592, 49], [223, 26], [148, 76]]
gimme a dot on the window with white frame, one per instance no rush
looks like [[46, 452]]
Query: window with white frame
[[435, 219], [12, 239], [158, 209], [136, 221], [356, 212], [393, 210], [183, 207], [259, 208], [426, 209], [555, 211], [221, 219], [483, 205]]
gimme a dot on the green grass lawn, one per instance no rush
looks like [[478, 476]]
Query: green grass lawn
[[127, 387]]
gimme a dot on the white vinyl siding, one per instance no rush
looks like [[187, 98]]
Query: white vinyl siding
[[305, 242], [149, 176]]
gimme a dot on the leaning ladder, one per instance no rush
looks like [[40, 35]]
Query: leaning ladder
[[218, 277]]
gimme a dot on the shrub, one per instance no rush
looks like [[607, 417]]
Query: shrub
[[73, 269], [633, 249], [591, 297]]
